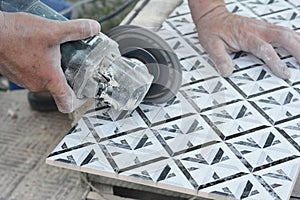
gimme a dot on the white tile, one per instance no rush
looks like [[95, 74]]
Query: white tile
[[265, 7], [235, 119], [263, 147], [280, 105], [212, 164], [280, 179], [183, 23], [292, 129], [134, 149], [245, 187], [210, 93], [288, 18], [184, 134], [158, 114], [256, 80]]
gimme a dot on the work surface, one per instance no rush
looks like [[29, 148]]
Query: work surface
[[26, 138], [235, 137]]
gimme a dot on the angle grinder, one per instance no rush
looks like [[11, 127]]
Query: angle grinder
[[123, 68]]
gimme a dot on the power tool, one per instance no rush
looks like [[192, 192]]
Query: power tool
[[126, 66]]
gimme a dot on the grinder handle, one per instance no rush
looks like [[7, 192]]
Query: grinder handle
[[73, 53]]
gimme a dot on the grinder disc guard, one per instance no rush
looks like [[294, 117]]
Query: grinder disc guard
[[147, 47]]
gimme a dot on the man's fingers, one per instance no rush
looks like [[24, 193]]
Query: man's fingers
[[286, 38], [217, 51], [60, 90], [266, 52], [77, 29]]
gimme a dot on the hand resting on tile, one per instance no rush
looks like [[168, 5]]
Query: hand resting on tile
[[221, 32]]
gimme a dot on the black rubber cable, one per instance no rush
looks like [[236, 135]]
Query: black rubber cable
[[117, 11]]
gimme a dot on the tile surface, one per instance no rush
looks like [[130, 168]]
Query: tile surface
[[219, 137]]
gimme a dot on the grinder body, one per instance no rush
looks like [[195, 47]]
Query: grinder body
[[95, 68]]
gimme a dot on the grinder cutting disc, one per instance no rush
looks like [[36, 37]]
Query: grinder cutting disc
[[147, 47]]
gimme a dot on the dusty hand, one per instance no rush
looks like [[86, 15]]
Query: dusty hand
[[221, 31], [30, 53]]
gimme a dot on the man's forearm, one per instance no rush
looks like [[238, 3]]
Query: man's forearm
[[200, 8]]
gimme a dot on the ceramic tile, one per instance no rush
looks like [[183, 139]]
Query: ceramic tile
[[185, 134], [183, 24], [167, 32], [294, 68], [210, 165], [279, 106], [181, 10], [295, 3], [278, 179], [291, 130], [210, 93], [163, 172], [257, 80], [235, 137], [134, 149], [106, 123], [266, 7], [235, 119], [243, 187], [159, 114], [288, 18], [240, 9], [262, 149], [182, 48], [244, 60], [195, 69], [75, 157], [194, 42]]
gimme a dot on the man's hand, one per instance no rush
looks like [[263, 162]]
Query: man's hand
[[221, 31], [30, 53]]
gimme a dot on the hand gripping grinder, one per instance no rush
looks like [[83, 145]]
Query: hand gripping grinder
[[123, 68]]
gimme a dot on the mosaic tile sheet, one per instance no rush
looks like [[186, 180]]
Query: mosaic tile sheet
[[220, 137]]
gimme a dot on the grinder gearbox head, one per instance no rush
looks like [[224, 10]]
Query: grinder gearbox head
[[147, 47]]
